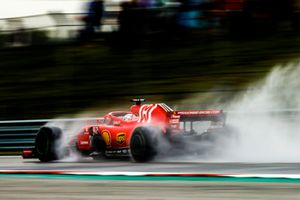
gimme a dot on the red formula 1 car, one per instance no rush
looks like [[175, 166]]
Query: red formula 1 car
[[140, 133]]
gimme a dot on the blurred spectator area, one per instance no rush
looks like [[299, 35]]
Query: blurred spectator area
[[154, 16], [54, 26]]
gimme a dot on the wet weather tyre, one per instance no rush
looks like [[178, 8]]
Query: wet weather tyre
[[98, 143], [46, 143], [142, 144], [98, 146]]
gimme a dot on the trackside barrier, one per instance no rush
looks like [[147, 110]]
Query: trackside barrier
[[17, 135]]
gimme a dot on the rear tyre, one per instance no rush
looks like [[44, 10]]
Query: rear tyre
[[143, 143], [46, 144]]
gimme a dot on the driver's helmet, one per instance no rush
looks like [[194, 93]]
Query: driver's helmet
[[129, 117]]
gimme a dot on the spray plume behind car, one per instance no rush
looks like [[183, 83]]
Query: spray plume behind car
[[265, 120], [267, 117]]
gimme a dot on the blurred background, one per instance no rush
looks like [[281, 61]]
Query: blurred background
[[61, 58]]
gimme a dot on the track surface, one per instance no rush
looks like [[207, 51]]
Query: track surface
[[11, 188], [87, 164], [27, 187]]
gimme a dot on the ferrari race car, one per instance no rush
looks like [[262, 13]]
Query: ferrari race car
[[141, 133]]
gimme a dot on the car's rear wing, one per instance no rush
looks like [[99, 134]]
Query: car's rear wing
[[201, 115], [187, 120]]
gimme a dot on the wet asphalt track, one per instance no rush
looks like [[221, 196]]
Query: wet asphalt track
[[61, 189], [109, 165], [57, 188]]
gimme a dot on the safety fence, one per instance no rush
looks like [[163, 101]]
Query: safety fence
[[17, 135]]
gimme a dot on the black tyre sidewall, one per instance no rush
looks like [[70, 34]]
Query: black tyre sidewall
[[45, 143], [142, 145], [98, 143]]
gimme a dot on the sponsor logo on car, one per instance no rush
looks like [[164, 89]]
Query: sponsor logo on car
[[118, 152], [84, 142], [145, 113], [120, 139]]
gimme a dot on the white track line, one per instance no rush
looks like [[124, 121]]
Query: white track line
[[122, 173]]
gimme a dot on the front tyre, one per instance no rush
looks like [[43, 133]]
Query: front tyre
[[47, 142], [143, 143], [98, 147]]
